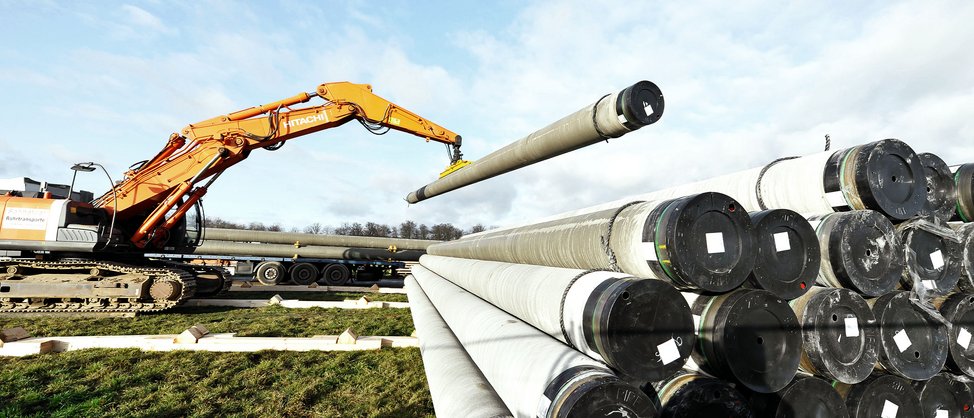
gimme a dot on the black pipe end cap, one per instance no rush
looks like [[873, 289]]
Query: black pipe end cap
[[913, 344], [647, 328], [941, 191], [958, 309], [933, 259], [709, 241], [808, 397], [890, 178], [787, 253], [641, 103], [864, 252], [877, 395], [706, 397], [841, 339], [944, 392], [600, 396], [761, 339]]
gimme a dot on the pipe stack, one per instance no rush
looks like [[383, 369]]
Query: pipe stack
[[824, 285]]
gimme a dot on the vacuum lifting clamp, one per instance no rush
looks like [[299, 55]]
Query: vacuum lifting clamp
[[456, 158]]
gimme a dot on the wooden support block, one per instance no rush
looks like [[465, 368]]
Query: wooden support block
[[13, 334], [246, 284], [201, 328], [347, 337], [374, 288], [313, 286], [276, 300], [190, 336]]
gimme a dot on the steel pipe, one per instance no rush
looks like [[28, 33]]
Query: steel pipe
[[860, 251], [692, 395], [964, 180], [958, 310], [932, 255], [912, 340], [748, 335], [640, 327], [270, 237], [534, 374], [944, 395], [289, 251], [841, 340], [884, 396], [787, 253], [457, 386], [965, 231], [803, 397], [941, 203], [609, 117], [702, 241]]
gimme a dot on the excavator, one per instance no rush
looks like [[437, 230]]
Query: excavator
[[63, 255]]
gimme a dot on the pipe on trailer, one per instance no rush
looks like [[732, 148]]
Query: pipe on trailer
[[748, 335], [270, 237], [457, 386], [841, 342], [860, 251], [609, 117], [289, 251], [787, 253], [702, 241], [534, 374], [941, 203], [640, 327]]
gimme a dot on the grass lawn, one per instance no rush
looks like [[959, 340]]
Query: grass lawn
[[384, 383], [339, 296]]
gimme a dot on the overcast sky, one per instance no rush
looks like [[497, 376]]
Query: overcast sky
[[745, 82]]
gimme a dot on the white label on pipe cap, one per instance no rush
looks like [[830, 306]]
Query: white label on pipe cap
[[649, 251], [836, 199], [941, 413], [622, 118], [781, 242], [937, 259], [648, 108], [715, 242], [668, 351], [851, 327], [902, 340], [889, 410], [929, 284], [964, 338]]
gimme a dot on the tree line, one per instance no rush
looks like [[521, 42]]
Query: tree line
[[407, 229]]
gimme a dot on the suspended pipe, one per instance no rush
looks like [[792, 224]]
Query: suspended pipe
[[457, 386], [702, 241], [640, 327], [534, 374], [609, 117]]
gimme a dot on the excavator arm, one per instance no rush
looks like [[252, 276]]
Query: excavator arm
[[144, 200]]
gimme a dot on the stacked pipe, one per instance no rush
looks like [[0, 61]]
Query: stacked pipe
[[836, 284], [291, 245]]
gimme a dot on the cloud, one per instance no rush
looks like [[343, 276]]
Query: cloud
[[143, 19]]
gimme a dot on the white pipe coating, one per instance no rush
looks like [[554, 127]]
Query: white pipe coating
[[457, 386]]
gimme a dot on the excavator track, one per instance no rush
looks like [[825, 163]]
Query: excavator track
[[140, 288]]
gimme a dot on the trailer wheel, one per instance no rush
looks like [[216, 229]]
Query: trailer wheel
[[304, 274], [270, 273], [335, 275]]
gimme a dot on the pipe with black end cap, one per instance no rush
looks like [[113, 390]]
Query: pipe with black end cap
[[964, 181], [958, 310], [457, 386], [787, 253], [941, 203], [639, 327], [532, 373], [912, 339], [881, 395], [703, 241], [612, 116], [885, 176], [805, 397], [965, 232], [691, 394], [860, 251], [933, 257], [748, 335], [841, 339], [944, 396]]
